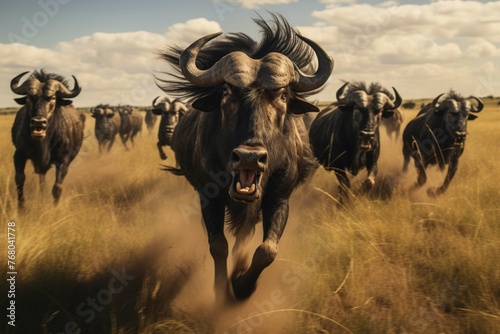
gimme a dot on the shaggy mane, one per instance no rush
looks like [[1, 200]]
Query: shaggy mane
[[277, 36], [373, 88], [43, 76]]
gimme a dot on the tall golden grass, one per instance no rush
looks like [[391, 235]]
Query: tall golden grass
[[390, 262]]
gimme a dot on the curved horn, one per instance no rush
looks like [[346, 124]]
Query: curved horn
[[187, 63], [340, 94], [92, 110], [391, 105], [68, 94], [14, 84], [436, 100], [479, 107], [154, 102], [325, 67]]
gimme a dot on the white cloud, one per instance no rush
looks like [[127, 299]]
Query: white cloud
[[110, 67]]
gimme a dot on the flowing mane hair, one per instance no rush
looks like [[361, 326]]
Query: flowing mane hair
[[371, 89], [43, 76], [452, 94], [278, 36]]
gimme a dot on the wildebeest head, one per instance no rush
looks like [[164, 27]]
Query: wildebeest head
[[254, 89], [367, 105], [102, 114], [170, 113], [455, 111], [42, 94]]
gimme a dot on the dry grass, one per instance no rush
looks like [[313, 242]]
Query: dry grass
[[392, 262]]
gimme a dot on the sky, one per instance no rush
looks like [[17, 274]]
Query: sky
[[422, 48]]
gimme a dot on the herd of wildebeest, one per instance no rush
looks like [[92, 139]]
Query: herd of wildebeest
[[241, 140]]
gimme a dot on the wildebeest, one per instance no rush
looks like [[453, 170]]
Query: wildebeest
[[47, 130], [393, 123], [437, 136], [346, 137], [107, 125], [150, 120], [244, 148], [131, 124], [171, 113]]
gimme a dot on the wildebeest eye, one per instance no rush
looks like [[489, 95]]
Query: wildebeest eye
[[284, 96], [226, 90]]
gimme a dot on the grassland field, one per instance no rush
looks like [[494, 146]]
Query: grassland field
[[125, 250]]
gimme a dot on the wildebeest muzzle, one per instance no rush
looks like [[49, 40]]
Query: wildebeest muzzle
[[459, 138], [247, 164], [366, 139], [38, 126]]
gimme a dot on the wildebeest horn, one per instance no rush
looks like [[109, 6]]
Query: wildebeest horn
[[325, 67], [479, 107], [91, 110], [391, 105], [187, 62], [436, 100], [154, 102], [14, 84], [68, 94], [340, 94]]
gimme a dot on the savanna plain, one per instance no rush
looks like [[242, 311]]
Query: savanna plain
[[125, 251]]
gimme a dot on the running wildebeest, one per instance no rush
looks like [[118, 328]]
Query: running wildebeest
[[171, 113], [47, 130], [150, 120], [437, 136], [244, 148], [107, 125], [346, 137], [393, 123], [131, 124]]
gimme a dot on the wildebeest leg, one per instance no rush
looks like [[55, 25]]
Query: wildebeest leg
[[163, 156], [406, 156], [422, 176], [111, 142], [61, 171], [372, 168], [124, 138], [213, 216], [452, 169], [19, 165], [41, 179], [275, 216], [344, 184]]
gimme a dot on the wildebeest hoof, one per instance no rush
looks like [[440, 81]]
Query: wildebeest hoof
[[163, 156], [368, 185], [242, 287]]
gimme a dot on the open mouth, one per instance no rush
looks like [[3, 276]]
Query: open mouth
[[365, 145], [38, 132], [245, 185], [458, 143]]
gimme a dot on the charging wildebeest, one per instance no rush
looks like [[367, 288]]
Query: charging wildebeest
[[244, 149], [131, 124], [107, 125], [47, 130], [150, 120], [171, 113], [346, 137], [393, 123], [437, 136]]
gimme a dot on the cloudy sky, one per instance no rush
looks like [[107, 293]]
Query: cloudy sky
[[422, 48]]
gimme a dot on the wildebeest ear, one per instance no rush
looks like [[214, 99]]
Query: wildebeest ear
[[298, 105], [208, 103], [156, 111], [387, 114], [63, 102], [21, 100], [471, 117]]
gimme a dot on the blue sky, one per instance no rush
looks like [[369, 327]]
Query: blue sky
[[422, 48]]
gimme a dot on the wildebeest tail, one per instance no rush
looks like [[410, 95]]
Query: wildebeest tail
[[173, 170]]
